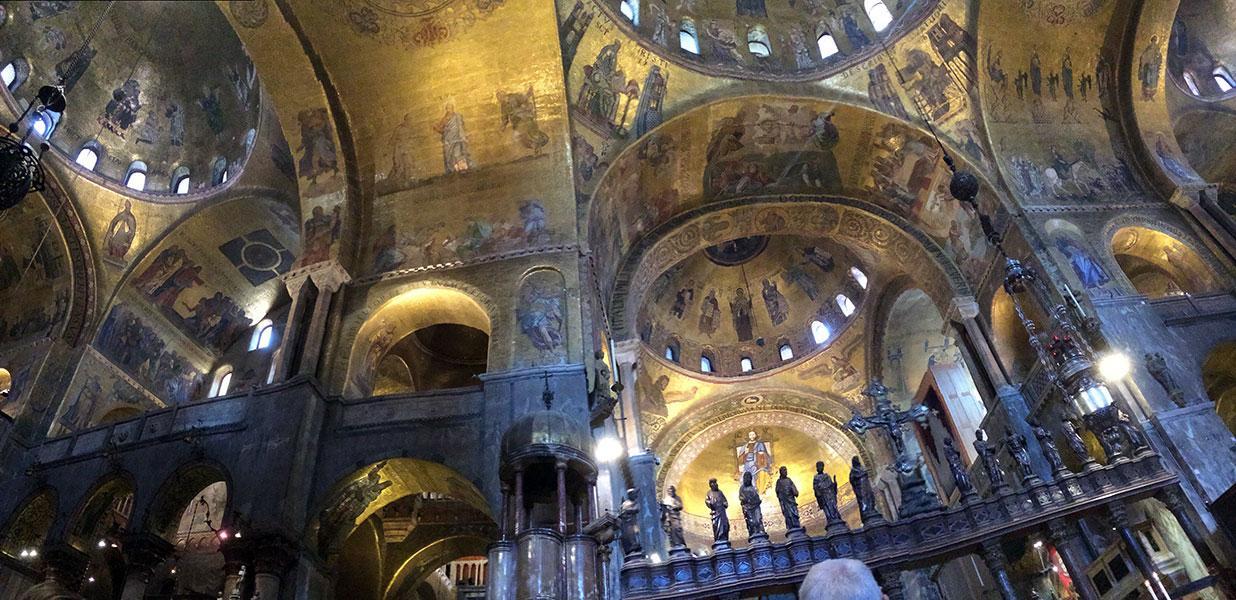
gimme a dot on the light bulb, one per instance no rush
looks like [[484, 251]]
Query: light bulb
[[102, 543], [1114, 366], [608, 449]]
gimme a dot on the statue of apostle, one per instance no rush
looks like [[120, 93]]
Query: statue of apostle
[[787, 496], [860, 481], [717, 504], [628, 517], [961, 477], [825, 487], [671, 518], [749, 498], [987, 454]]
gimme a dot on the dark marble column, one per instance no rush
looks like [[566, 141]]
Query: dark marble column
[[1176, 502], [560, 467], [998, 564], [1141, 558], [890, 582], [519, 500], [1065, 538], [143, 553], [273, 555]]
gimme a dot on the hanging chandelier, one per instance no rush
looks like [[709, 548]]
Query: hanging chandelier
[[21, 169]]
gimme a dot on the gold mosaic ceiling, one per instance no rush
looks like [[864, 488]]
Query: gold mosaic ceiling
[[766, 39], [164, 83], [746, 298]]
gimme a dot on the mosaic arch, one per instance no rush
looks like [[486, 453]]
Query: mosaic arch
[[400, 316], [730, 152], [368, 490], [1158, 264], [841, 220], [769, 39], [129, 97]]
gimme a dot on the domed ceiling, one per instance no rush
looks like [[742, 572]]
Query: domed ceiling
[[768, 39], [1203, 50], [746, 298], [165, 83]]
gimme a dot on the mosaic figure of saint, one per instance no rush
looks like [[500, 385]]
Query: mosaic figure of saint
[[456, 156], [122, 110], [1149, 65], [778, 307], [1087, 269], [710, 312], [519, 112], [755, 457], [740, 309], [120, 232]]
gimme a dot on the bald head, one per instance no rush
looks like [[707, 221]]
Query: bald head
[[840, 579]]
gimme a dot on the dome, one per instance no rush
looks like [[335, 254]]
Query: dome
[[767, 39], [753, 304], [549, 429], [144, 95]]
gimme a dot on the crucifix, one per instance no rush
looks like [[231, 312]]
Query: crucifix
[[914, 498]]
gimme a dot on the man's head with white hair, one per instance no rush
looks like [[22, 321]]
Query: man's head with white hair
[[840, 579]]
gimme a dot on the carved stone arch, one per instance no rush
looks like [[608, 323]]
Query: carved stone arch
[[845, 218], [1156, 224], [877, 325], [37, 510], [176, 492], [95, 502]]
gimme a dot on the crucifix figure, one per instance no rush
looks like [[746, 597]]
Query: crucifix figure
[[914, 498]]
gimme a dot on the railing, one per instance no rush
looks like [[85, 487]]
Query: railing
[[396, 409], [1037, 387], [1190, 307], [930, 538]]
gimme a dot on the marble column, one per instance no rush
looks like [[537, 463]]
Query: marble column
[[644, 478], [519, 500], [626, 355], [1137, 552], [560, 467], [998, 564], [272, 555], [328, 277], [890, 582], [143, 553], [286, 352], [1176, 502], [1066, 540], [964, 311]]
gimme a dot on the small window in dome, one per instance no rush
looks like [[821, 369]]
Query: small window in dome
[[1191, 83], [223, 177], [182, 185], [87, 158], [845, 304], [757, 42], [8, 74], [671, 353], [1223, 79], [859, 277], [879, 14], [705, 364], [786, 352], [218, 171], [263, 335], [687, 38], [819, 332], [630, 10], [222, 382], [43, 123], [745, 365], [136, 179], [827, 45]]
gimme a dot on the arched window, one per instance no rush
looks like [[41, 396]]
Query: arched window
[[859, 277], [688, 39], [671, 352], [879, 14], [757, 42], [786, 351], [13, 74], [819, 332], [827, 45], [136, 178], [630, 10], [182, 184], [8, 74], [218, 171], [263, 335], [845, 304], [705, 363], [1191, 83], [1223, 79], [44, 122], [87, 158], [223, 381], [745, 365]]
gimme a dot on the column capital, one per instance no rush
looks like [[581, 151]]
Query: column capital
[[273, 554], [64, 564], [993, 555], [626, 350], [1186, 197], [1060, 531], [963, 308], [143, 551], [327, 275], [1120, 515]]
